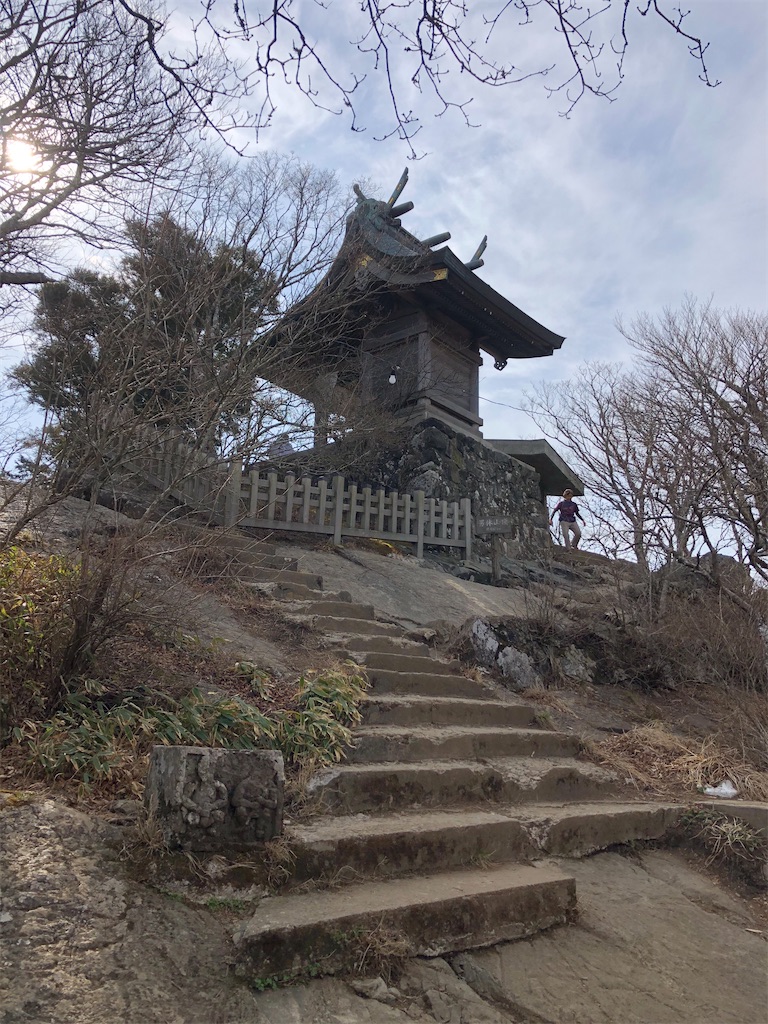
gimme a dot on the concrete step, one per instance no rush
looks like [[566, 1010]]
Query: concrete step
[[438, 914], [366, 788], [231, 540], [754, 813], [264, 575], [414, 710], [248, 547], [257, 560], [299, 592], [379, 743], [578, 829], [358, 645], [406, 662], [427, 684], [336, 849], [238, 540], [333, 609], [355, 627]]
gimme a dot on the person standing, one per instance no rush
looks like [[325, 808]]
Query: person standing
[[569, 513]]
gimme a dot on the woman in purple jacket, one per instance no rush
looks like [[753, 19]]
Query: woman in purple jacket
[[569, 512]]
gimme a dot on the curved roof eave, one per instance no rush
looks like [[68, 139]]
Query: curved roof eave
[[510, 333]]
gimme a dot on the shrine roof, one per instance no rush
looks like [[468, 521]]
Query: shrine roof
[[377, 251]]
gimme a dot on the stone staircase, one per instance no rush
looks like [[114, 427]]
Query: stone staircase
[[438, 826]]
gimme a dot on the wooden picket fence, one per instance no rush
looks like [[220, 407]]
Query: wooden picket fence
[[264, 499], [192, 477]]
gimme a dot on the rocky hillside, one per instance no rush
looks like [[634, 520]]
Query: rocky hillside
[[99, 922]]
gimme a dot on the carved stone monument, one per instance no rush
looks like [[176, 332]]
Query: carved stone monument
[[207, 799]]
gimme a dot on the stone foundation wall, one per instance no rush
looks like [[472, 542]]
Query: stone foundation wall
[[449, 465], [432, 457]]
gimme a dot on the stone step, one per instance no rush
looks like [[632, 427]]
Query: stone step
[[233, 541], [355, 627], [333, 609], [257, 560], [254, 547], [298, 592], [436, 914], [295, 592], [366, 788], [239, 540], [348, 848], [407, 662], [753, 813], [415, 710], [336, 849], [578, 829], [435, 743], [427, 684], [264, 575], [357, 645]]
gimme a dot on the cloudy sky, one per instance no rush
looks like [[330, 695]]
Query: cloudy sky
[[621, 208]]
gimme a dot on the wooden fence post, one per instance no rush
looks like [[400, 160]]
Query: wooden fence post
[[338, 508], [232, 496], [289, 495], [420, 524], [167, 462], [466, 504]]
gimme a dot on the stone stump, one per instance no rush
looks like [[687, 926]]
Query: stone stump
[[210, 800]]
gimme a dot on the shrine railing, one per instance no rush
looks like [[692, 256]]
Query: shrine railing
[[264, 499]]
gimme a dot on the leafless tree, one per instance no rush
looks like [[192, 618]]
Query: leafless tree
[[675, 451], [712, 366], [101, 101], [88, 118], [429, 46], [179, 345], [104, 98], [611, 423]]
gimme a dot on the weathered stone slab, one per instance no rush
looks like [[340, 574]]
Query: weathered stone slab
[[439, 913], [207, 799]]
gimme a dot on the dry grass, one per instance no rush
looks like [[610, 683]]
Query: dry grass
[[728, 838], [382, 951], [548, 699], [476, 673], [148, 834], [656, 759], [278, 860], [299, 801]]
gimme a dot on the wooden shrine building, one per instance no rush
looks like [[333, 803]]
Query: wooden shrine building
[[418, 322]]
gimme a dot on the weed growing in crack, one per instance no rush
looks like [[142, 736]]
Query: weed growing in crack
[[381, 951], [283, 978], [232, 903], [542, 718], [483, 859]]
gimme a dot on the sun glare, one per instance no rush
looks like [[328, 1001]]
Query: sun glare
[[21, 156]]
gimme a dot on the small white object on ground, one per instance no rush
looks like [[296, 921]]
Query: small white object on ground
[[725, 791]]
